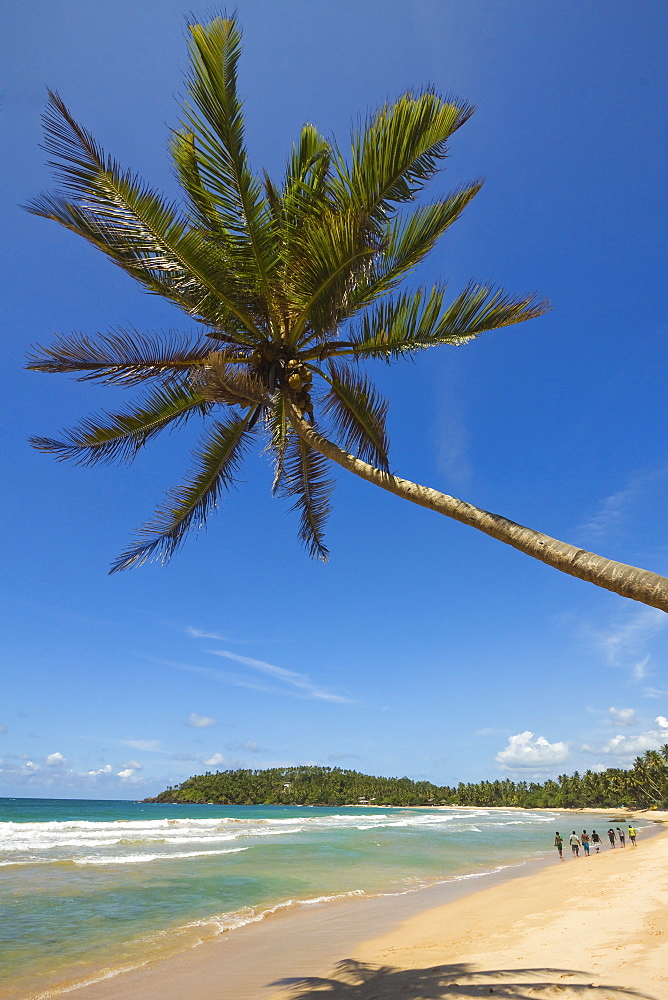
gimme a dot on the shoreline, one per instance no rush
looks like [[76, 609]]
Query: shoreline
[[597, 923], [307, 940]]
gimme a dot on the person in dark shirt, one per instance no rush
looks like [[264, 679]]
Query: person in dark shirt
[[559, 844], [611, 837], [596, 841]]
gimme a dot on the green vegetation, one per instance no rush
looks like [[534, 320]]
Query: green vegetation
[[295, 286], [643, 786]]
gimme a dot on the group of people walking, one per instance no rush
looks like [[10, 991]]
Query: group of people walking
[[586, 841]]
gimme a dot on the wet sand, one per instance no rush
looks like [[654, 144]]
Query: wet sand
[[594, 927], [544, 929]]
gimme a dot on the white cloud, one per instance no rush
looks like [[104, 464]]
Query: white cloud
[[56, 760], [215, 760], [107, 769], [200, 721], [523, 751], [623, 716], [127, 772], [20, 767], [135, 765], [632, 746]]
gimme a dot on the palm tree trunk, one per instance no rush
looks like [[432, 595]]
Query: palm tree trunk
[[627, 581]]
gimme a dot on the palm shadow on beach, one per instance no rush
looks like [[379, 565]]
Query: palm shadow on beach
[[361, 981]]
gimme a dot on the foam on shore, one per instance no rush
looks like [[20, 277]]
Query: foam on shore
[[545, 924]]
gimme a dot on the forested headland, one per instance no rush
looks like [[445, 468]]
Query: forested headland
[[643, 786]]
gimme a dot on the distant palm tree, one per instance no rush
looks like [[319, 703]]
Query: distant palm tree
[[294, 284]]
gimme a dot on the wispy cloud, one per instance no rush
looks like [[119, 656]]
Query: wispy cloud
[[291, 678], [612, 512], [151, 746], [221, 676], [196, 633], [199, 634], [250, 746], [453, 439], [624, 642], [292, 682]]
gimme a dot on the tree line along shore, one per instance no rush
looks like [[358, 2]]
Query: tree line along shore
[[643, 786]]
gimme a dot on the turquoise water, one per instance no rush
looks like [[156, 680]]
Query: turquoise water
[[89, 888]]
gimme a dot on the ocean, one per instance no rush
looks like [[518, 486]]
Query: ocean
[[90, 888]]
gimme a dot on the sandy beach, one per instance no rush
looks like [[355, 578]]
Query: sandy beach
[[547, 929], [582, 925]]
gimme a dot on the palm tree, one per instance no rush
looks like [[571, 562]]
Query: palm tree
[[295, 285]]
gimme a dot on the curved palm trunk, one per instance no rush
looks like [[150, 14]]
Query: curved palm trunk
[[628, 581]]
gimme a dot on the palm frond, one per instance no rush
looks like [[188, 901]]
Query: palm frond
[[214, 114], [328, 259], [216, 460], [279, 429], [110, 437], [202, 204], [122, 357], [304, 477], [410, 237], [413, 235], [397, 152], [219, 382], [417, 321], [359, 413], [305, 186], [136, 228]]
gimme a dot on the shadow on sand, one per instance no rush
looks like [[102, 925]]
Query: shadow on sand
[[359, 981]]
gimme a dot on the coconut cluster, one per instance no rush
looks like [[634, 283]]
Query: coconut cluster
[[299, 379], [272, 365]]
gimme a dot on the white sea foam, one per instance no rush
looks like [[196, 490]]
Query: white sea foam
[[135, 859], [74, 840]]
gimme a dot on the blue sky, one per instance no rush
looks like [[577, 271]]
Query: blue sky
[[422, 647]]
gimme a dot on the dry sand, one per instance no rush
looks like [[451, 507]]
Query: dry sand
[[594, 927]]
